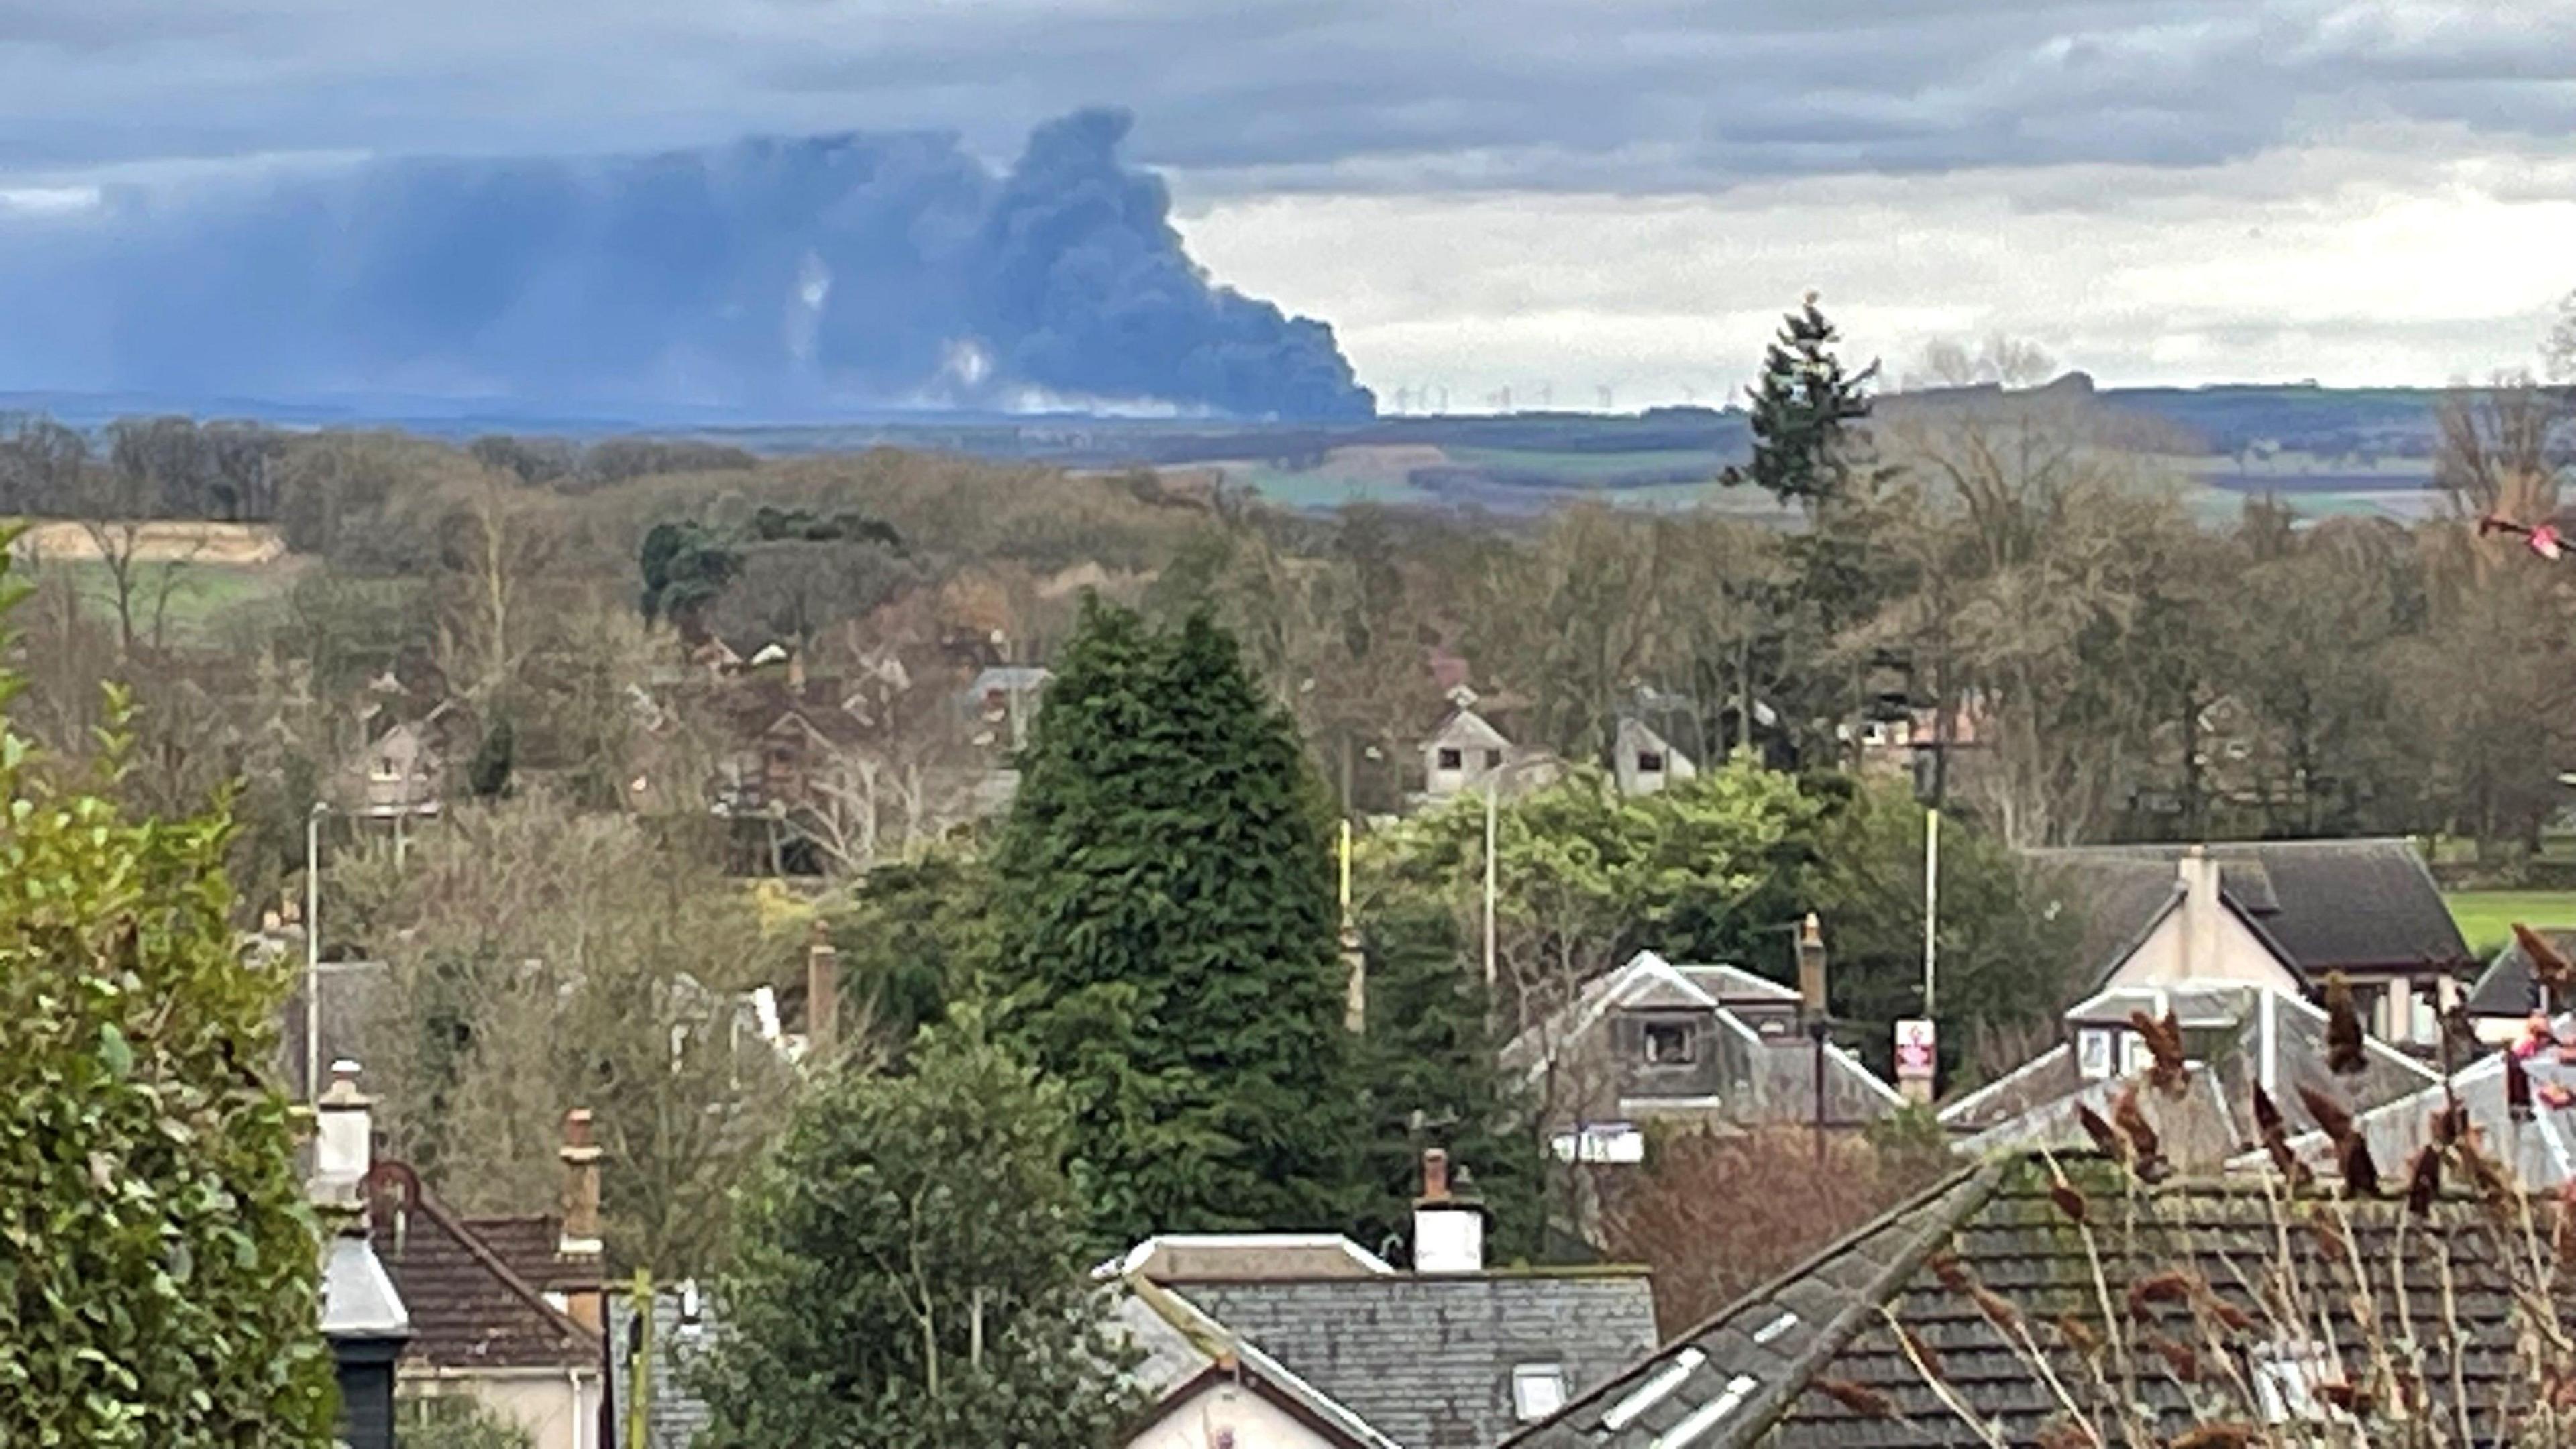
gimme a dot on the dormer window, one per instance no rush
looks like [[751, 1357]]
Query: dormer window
[[1669, 1043]]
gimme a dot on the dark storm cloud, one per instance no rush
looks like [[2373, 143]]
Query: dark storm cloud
[[1592, 94], [772, 275]]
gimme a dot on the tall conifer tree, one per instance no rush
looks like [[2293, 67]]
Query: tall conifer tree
[[1167, 939]]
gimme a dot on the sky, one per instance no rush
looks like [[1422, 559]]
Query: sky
[[1579, 201]]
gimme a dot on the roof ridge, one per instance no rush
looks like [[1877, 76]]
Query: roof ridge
[[1973, 1185], [482, 1252], [1971, 1191]]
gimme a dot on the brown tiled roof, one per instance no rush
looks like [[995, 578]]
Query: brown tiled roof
[[475, 1288], [1753, 1373]]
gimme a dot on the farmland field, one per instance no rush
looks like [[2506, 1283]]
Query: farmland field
[[2486, 918], [204, 597]]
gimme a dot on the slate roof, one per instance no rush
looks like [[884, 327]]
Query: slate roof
[[2330, 905], [674, 1414], [1751, 1373], [1426, 1360], [1777, 1074], [2505, 988], [472, 1306], [1183, 1349]]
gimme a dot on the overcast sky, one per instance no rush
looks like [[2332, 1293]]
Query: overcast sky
[[1568, 196]]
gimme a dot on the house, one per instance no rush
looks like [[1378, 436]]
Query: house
[[1814, 1357], [1001, 703], [1289, 1340], [2529, 1126], [507, 1310], [2184, 944], [2505, 995], [363, 1317], [1280, 1344], [2236, 1036], [1710, 1044], [2289, 914], [401, 773], [1463, 751], [1643, 762]]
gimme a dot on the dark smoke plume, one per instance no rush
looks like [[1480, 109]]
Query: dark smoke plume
[[772, 275]]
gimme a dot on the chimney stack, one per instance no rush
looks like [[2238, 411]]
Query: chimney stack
[[1448, 1225], [2201, 908], [1811, 967], [580, 1237], [822, 997], [343, 1124]]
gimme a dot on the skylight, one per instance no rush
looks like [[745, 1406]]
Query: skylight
[[1538, 1390]]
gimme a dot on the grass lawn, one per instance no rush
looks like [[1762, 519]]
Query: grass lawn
[[2487, 918]]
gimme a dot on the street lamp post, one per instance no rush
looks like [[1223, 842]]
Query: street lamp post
[[313, 950]]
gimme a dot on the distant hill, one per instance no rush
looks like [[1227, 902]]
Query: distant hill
[[2324, 449]]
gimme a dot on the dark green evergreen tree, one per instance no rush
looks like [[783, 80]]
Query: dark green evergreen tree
[[1804, 414], [1167, 939], [488, 773], [908, 1272], [1429, 1059], [915, 936], [1811, 447]]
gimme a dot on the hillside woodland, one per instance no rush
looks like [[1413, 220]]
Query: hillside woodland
[[640, 720]]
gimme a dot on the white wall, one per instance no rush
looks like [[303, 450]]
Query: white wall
[[2203, 941], [1200, 1422]]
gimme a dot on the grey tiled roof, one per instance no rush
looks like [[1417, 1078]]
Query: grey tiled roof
[[2506, 987], [1736, 1373], [1752, 1373], [1427, 1360], [673, 1414], [2329, 904]]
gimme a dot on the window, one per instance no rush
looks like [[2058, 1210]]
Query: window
[[2134, 1056], [1453, 759], [1668, 1043], [2093, 1053], [384, 771], [1538, 1390], [1493, 759], [1650, 762]]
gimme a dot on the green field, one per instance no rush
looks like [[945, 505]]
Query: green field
[[203, 597], [1577, 469], [2487, 918]]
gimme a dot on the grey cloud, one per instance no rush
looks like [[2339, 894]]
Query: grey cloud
[[1638, 95]]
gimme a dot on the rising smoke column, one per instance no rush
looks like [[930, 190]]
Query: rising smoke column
[[780, 274]]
